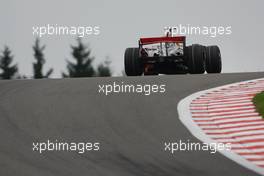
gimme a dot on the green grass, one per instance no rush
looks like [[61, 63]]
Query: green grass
[[258, 100]]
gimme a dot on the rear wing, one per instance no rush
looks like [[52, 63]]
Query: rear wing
[[153, 40]]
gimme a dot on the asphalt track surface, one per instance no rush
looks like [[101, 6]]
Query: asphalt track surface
[[131, 128]]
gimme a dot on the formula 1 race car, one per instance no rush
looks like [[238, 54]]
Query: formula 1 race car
[[170, 55]]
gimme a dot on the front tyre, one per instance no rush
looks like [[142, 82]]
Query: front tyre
[[213, 59], [133, 64]]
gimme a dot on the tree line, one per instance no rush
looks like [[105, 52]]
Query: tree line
[[81, 66]]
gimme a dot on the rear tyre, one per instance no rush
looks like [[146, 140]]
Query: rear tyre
[[196, 59], [133, 64], [213, 59]]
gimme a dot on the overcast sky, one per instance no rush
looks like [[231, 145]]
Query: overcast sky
[[122, 22]]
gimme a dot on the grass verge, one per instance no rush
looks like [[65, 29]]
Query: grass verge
[[258, 101]]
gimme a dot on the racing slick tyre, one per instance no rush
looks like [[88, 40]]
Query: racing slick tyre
[[196, 59], [133, 64], [213, 63]]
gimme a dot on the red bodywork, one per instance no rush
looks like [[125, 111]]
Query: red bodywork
[[149, 67], [152, 40]]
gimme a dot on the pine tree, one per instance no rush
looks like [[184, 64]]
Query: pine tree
[[40, 61], [6, 70], [82, 67], [103, 69]]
